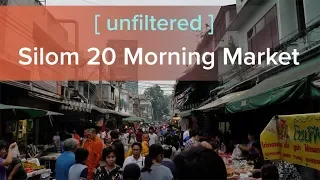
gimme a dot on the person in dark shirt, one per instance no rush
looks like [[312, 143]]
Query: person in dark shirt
[[139, 135], [167, 152], [269, 171], [200, 163], [16, 171], [119, 148], [257, 159], [131, 172]]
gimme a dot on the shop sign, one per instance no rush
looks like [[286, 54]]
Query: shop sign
[[293, 138]]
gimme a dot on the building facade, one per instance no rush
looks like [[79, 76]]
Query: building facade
[[146, 110], [281, 25], [131, 87]]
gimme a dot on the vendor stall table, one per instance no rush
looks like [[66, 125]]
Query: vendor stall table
[[40, 174], [49, 161], [50, 157]]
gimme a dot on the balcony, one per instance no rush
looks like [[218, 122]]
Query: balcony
[[304, 42]]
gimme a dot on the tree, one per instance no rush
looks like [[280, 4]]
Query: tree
[[159, 101]]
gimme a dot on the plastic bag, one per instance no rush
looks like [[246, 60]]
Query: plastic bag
[[237, 153]]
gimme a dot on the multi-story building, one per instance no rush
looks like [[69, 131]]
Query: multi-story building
[[223, 38], [131, 87], [45, 95], [282, 25], [146, 110]]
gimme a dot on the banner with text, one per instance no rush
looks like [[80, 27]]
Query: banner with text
[[293, 138]]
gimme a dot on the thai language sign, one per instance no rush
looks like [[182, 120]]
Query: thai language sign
[[293, 138]]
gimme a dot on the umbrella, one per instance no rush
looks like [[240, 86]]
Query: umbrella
[[133, 119], [20, 112]]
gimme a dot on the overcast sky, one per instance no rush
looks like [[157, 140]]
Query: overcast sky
[[144, 84]]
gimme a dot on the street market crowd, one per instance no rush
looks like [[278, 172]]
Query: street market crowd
[[152, 153]]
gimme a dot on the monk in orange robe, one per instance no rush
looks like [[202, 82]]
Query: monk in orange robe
[[95, 146], [76, 136]]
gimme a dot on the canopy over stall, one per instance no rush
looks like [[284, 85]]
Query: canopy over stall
[[110, 111], [20, 112], [221, 102], [294, 83], [133, 119]]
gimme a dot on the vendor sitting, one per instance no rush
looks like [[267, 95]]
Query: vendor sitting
[[248, 148]]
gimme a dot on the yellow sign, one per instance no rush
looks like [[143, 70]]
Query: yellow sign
[[293, 138]]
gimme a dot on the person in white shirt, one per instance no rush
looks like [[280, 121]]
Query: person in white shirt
[[186, 136], [185, 124], [136, 156], [152, 137]]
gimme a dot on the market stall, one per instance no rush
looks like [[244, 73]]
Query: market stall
[[35, 170], [49, 160], [237, 168], [22, 125]]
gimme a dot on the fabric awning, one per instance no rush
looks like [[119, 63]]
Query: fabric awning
[[20, 112], [133, 119], [109, 111], [293, 83], [220, 102], [185, 113]]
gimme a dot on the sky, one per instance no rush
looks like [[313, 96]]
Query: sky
[[144, 84], [140, 2]]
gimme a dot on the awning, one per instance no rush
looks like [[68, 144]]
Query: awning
[[133, 119], [109, 111], [220, 102], [185, 113], [293, 83], [20, 112]]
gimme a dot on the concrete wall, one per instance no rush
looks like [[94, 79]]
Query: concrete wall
[[287, 18], [312, 15], [311, 9], [240, 4]]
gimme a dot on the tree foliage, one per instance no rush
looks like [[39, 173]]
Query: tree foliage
[[159, 101]]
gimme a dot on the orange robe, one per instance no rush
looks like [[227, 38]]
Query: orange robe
[[95, 148], [76, 136]]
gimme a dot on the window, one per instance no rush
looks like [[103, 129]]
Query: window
[[300, 16], [260, 25], [112, 93], [265, 33], [224, 127]]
